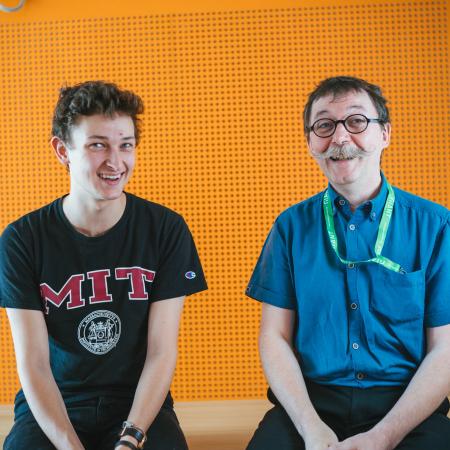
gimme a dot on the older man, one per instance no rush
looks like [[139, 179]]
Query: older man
[[355, 285]]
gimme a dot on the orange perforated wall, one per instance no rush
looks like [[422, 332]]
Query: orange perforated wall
[[222, 134]]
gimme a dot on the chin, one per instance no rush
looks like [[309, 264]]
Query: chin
[[345, 175], [341, 178]]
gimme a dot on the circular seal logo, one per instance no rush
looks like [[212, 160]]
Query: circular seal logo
[[99, 331]]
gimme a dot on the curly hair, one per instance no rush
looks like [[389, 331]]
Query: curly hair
[[90, 98]]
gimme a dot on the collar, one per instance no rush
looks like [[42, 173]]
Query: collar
[[373, 207]]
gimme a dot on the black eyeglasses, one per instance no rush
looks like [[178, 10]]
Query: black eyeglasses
[[356, 123]]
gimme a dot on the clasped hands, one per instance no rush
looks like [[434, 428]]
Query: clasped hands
[[324, 438]]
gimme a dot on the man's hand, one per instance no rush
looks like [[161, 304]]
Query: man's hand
[[320, 437], [363, 441]]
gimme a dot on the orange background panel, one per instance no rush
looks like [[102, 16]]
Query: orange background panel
[[222, 134]]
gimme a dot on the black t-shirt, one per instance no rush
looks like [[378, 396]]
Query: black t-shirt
[[95, 292]]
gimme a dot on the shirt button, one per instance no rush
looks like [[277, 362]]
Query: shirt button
[[360, 376], [373, 215], [354, 306], [355, 346], [350, 265], [352, 227], [342, 202]]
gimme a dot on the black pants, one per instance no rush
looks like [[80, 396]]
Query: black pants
[[97, 423], [349, 411]]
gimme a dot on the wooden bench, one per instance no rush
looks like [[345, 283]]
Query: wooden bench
[[218, 425]]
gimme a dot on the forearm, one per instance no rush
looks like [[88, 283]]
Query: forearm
[[152, 389], [426, 391], [47, 406], [159, 366], [285, 378]]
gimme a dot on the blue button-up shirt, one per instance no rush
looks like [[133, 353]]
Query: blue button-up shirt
[[361, 324]]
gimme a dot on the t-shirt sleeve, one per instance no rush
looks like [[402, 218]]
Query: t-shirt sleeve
[[437, 309], [271, 281], [18, 285], [179, 270]]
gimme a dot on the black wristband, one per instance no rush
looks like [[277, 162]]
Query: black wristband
[[130, 429], [126, 444]]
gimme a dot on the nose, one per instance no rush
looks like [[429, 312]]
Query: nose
[[113, 158], [341, 135]]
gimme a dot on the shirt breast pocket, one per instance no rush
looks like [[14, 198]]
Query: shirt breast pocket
[[398, 297]]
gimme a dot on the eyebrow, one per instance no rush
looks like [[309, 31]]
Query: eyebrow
[[97, 136], [325, 111]]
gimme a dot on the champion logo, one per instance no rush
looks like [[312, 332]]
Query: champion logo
[[190, 275]]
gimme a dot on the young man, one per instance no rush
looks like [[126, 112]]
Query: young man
[[94, 286], [355, 285]]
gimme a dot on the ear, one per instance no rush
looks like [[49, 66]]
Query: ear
[[60, 150], [386, 135]]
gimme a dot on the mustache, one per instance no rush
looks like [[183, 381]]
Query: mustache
[[346, 151]]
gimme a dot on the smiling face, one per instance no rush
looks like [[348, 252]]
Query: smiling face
[[100, 157], [348, 167]]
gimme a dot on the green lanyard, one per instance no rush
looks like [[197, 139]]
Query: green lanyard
[[381, 237]]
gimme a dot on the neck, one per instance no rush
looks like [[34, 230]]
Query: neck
[[93, 218], [357, 194]]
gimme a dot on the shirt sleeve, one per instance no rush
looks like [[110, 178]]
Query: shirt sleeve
[[437, 308], [18, 286], [179, 271], [271, 281]]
